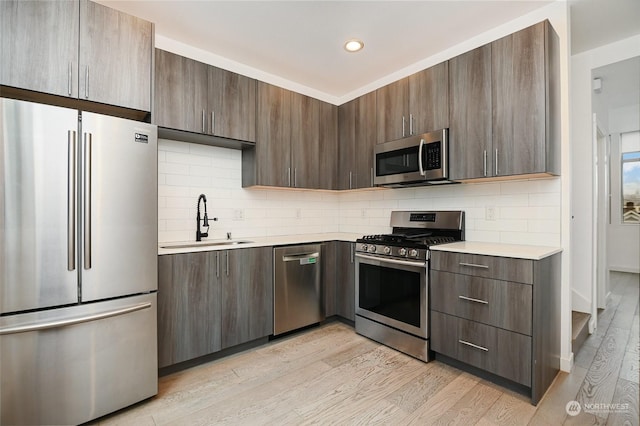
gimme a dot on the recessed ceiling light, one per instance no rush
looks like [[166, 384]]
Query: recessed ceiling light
[[353, 45]]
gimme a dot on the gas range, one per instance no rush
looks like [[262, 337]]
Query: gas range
[[392, 278], [413, 234]]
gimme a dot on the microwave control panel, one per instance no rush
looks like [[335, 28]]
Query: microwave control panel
[[433, 156]]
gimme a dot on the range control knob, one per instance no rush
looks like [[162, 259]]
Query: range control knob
[[413, 253], [402, 252], [364, 247], [387, 250], [372, 248]]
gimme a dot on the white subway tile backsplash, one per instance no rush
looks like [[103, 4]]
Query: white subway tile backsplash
[[527, 212]]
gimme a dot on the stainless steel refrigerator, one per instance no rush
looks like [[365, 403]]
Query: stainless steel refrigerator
[[78, 263]]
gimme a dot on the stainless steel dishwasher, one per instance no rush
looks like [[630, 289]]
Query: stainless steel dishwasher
[[297, 300]]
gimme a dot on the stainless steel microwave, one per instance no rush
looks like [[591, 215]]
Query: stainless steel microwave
[[416, 160]]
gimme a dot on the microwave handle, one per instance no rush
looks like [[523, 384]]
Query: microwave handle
[[422, 172]]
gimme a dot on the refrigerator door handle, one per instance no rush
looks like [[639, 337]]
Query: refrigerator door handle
[[71, 199], [87, 200], [72, 321]]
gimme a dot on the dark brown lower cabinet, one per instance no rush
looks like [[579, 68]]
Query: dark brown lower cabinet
[[188, 307], [499, 314], [247, 295], [338, 269], [213, 300], [493, 349]]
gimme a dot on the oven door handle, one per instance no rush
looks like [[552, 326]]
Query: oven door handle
[[392, 261]]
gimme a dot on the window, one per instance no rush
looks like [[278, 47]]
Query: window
[[631, 187]]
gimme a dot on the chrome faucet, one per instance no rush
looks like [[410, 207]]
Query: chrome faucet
[[205, 220]]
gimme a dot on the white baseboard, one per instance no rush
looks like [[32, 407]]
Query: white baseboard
[[566, 364]]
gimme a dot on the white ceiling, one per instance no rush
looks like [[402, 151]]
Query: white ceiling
[[620, 84], [301, 41]]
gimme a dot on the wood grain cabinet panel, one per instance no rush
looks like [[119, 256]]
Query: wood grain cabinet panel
[[188, 307], [180, 92], [429, 99], [296, 142], [115, 57], [231, 111], [505, 311], [498, 303], [269, 163], [498, 351], [39, 44], [77, 49], [357, 126], [499, 268], [247, 295], [470, 132], [416, 104], [338, 269], [525, 102]]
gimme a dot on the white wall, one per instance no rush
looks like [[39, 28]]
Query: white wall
[[582, 154]]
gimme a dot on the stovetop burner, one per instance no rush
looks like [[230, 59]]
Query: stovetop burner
[[413, 233]]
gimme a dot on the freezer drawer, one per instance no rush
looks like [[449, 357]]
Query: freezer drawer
[[77, 363]]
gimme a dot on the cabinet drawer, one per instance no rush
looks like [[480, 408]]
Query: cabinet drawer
[[498, 351], [499, 268], [499, 303]]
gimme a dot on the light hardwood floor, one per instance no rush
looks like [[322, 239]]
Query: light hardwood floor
[[330, 375]]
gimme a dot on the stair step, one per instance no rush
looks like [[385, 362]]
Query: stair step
[[579, 329]]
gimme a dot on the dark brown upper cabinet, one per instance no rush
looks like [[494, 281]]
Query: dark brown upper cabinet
[[525, 82], [504, 107], [296, 143], [200, 98], [470, 135], [357, 137], [416, 104], [77, 49]]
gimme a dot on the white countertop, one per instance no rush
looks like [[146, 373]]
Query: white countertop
[[497, 249], [279, 240]]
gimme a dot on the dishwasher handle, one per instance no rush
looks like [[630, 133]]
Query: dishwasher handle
[[300, 256]]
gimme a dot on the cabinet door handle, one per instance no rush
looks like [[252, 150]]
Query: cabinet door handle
[[86, 82], [403, 126], [350, 180], [352, 252], [473, 346], [295, 177], [289, 176], [471, 299], [410, 124], [213, 122], [496, 162], [473, 265], [203, 131], [484, 166], [227, 254], [217, 264], [372, 177]]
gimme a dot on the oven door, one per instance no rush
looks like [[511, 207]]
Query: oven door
[[393, 292]]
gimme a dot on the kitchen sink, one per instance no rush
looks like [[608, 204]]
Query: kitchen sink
[[204, 244]]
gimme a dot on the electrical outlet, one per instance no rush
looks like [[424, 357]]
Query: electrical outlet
[[238, 214], [490, 213]]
